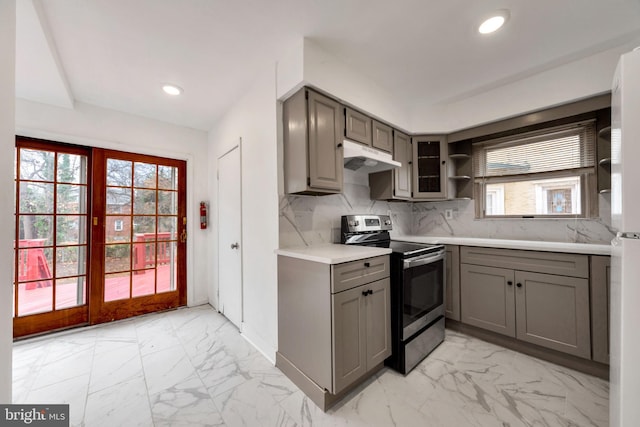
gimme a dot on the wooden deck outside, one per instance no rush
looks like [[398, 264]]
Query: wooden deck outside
[[40, 299]]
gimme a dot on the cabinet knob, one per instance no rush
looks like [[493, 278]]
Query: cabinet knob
[[367, 292], [367, 264], [510, 283], [443, 162], [519, 285], [339, 145]]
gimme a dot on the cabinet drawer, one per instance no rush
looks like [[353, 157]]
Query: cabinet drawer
[[355, 273], [538, 262]]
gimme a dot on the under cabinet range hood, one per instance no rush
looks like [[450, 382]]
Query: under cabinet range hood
[[361, 157]]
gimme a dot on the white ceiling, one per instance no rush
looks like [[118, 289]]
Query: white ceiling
[[117, 53]]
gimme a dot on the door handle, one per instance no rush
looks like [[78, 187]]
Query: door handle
[[183, 236], [235, 245]]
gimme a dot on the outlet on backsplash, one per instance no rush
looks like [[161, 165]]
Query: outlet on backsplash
[[448, 213]]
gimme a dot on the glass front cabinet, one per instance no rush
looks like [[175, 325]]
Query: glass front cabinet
[[430, 167]]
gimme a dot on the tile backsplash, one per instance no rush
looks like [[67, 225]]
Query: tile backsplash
[[311, 220]]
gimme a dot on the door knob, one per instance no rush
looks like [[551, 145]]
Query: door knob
[[235, 245]]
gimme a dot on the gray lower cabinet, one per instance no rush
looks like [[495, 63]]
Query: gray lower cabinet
[[334, 324], [488, 298], [452, 282], [600, 301], [549, 310], [313, 154], [361, 331]]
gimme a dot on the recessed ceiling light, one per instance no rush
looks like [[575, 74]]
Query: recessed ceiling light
[[172, 89], [493, 23]]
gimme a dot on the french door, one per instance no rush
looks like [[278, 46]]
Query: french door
[[138, 235], [99, 235]]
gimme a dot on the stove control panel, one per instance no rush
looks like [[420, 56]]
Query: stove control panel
[[365, 223]]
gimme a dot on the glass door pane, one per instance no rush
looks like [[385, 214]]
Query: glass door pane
[[50, 270]]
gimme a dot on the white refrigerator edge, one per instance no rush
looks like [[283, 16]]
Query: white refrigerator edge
[[624, 338]]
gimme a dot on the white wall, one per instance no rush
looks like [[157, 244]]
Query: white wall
[[98, 127], [7, 142], [565, 83], [252, 118], [308, 64]]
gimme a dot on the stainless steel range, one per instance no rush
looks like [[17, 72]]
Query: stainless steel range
[[417, 288]]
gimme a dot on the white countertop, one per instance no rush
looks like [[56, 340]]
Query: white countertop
[[534, 245], [332, 253]]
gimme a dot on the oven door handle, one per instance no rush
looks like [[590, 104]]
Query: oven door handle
[[423, 260]]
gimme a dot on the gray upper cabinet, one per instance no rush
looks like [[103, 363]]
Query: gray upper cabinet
[[313, 154], [430, 167], [600, 301], [358, 126], [396, 183], [382, 137], [402, 176], [510, 292]]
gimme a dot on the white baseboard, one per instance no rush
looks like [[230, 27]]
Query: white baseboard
[[259, 343]]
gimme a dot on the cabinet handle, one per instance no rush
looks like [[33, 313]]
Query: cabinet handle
[[367, 292], [367, 264], [339, 145], [510, 283], [519, 285]]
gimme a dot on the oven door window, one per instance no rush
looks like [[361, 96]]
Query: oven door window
[[423, 291]]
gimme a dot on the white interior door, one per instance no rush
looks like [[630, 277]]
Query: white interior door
[[230, 236]]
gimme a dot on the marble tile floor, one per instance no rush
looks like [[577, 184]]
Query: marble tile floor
[[190, 367]]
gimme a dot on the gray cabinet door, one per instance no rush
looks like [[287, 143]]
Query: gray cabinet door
[[430, 167], [382, 137], [600, 301], [378, 322], [403, 153], [358, 127], [553, 311], [488, 298], [325, 136], [349, 340], [452, 283]]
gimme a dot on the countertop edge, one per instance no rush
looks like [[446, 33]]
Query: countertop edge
[[332, 253], [531, 245]]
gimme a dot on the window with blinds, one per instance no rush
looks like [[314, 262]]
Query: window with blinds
[[546, 173]]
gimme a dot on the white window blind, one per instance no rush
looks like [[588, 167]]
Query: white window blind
[[566, 148]]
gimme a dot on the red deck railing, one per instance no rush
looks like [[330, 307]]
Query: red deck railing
[[143, 256], [32, 264]]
